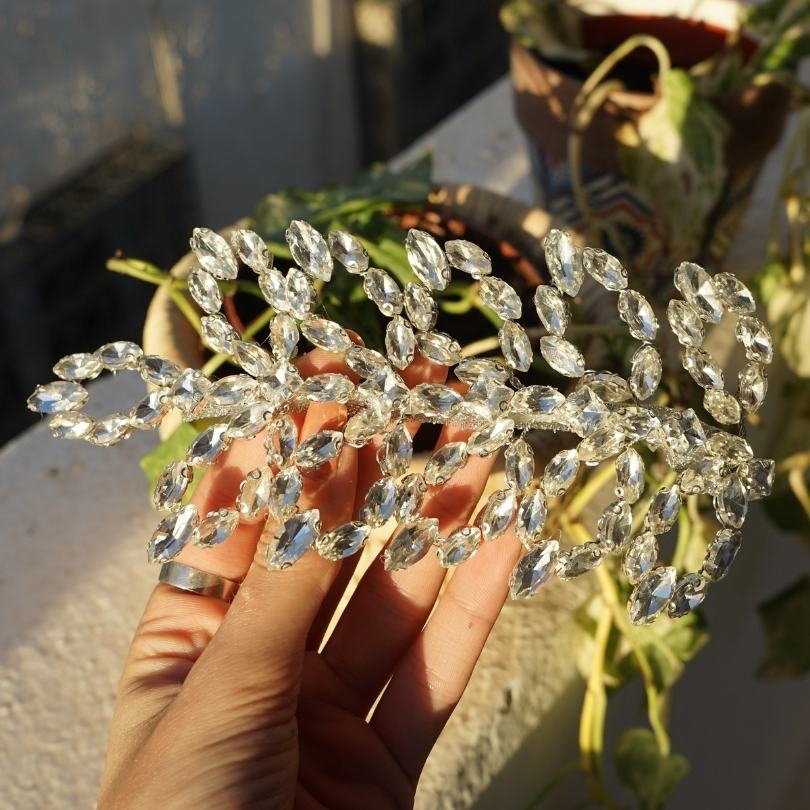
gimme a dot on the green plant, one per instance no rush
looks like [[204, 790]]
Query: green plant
[[673, 154]]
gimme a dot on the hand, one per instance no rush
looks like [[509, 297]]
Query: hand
[[252, 704]]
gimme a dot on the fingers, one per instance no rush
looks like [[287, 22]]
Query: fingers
[[389, 609], [431, 677]]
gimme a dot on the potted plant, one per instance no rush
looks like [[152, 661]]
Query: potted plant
[[648, 131]]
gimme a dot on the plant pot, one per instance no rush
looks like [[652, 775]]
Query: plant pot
[[544, 96]]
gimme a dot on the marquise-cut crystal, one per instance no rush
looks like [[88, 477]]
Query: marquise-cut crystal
[[497, 514], [755, 337], [349, 251], [433, 401], [218, 334], [640, 557], [702, 368], [150, 410], [427, 259], [158, 371], [410, 544], [500, 298], [490, 438], [291, 540], [729, 502], [664, 509], [471, 369], [232, 390], [531, 518], [468, 258], [400, 342], [439, 347], [309, 250], [273, 287], [645, 371], [485, 400], [283, 335], [604, 268], [189, 388], [698, 288], [651, 595], [110, 430], [720, 554], [216, 527], [328, 387], [636, 312], [758, 478], [214, 254], [564, 262], [253, 500], [614, 525], [420, 307], [173, 534], [318, 449], [411, 491], [70, 425], [366, 362], [722, 406], [459, 546], [689, 592], [515, 345], [342, 542], [249, 421], [686, 323], [299, 292], [251, 249], [204, 290], [285, 491], [282, 437], [57, 397], [579, 560], [551, 309], [253, 358], [562, 356], [560, 473], [79, 366], [734, 294], [120, 354], [396, 451], [629, 475], [608, 386], [603, 443], [753, 386], [206, 448], [584, 411], [326, 335], [536, 400], [171, 486], [519, 464], [383, 291], [445, 462], [380, 502], [363, 426], [534, 569]]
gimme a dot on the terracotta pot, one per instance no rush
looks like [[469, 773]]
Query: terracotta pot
[[544, 96]]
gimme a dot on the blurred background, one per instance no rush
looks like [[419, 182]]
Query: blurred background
[[125, 124]]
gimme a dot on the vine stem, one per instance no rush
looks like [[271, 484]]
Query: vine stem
[[587, 102]]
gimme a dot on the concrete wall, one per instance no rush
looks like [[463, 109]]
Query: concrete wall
[[262, 89]]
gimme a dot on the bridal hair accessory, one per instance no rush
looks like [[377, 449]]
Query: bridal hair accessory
[[612, 418]]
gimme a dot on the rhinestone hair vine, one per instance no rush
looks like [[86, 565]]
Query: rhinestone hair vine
[[608, 415]]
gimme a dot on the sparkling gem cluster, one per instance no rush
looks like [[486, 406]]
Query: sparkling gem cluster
[[611, 417]]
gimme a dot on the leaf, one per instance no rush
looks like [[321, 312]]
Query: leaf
[[785, 619], [547, 26], [649, 775], [171, 449], [674, 156]]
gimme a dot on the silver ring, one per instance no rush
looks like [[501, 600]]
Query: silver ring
[[186, 578]]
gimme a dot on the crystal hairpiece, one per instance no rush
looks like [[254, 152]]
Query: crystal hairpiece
[[608, 414]]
